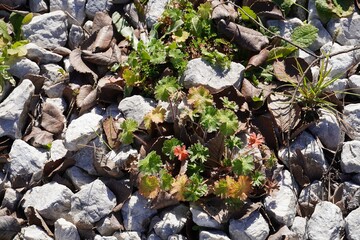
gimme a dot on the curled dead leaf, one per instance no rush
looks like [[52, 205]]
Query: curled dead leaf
[[86, 98], [289, 70], [103, 39], [258, 59], [38, 137], [79, 65], [52, 118]]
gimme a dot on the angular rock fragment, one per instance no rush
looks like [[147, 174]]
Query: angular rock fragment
[[350, 157], [136, 107], [75, 8], [65, 230], [41, 55]]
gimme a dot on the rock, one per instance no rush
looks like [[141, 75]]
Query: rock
[[304, 55], [41, 55], [94, 6], [52, 71], [136, 107], [326, 222], [54, 90], [328, 130], [323, 35], [315, 163], [341, 63], [354, 84], [213, 235], [78, 177], [351, 196], [313, 14], [339, 86], [250, 228], [200, 72], [137, 213], [93, 202], [153, 236], [76, 36], [172, 221], [23, 66], [75, 8], [82, 130], [283, 233], [65, 230], [57, 150], [350, 157], [11, 199], [176, 237], [108, 225], [154, 10], [128, 235], [203, 219], [51, 200], [352, 222], [286, 27], [13, 3], [310, 196], [281, 204], [98, 237], [33, 232], [121, 1], [84, 158], [24, 162], [349, 33], [120, 159], [38, 6], [351, 116], [60, 103], [48, 30], [88, 26], [14, 110], [299, 228]]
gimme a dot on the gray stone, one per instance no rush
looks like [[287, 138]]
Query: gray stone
[[108, 225], [52, 71], [76, 36], [253, 227], [286, 27], [11, 199], [120, 158], [51, 200], [98, 237], [23, 66], [354, 84], [153, 236], [213, 235], [57, 150], [33, 232], [60, 103], [78, 177], [172, 221], [121, 1], [41, 55], [38, 6], [323, 35], [93, 202], [88, 26], [82, 130], [313, 14], [299, 228], [203, 219], [65, 230], [54, 90], [339, 87], [350, 157], [200, 72], [48, 30], [304, 55], [136, 107], [328, 130], [94, 6], [128, 235], [351, 116], [315, 164], [137, 213], [176, 237], [25, 161], [352, 222], [14, 3], [84, 158], [154, 10], [326, 222], [349, 27], [75, 8], [14, 110], [281, 204], [310, 196]]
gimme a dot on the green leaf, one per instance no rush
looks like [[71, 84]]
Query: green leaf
[[27, 19], [151, 164], [232, 142], [169, 145], [285, 5], [17, 21], [227, 121], [328, 9], [4, 31], [128, 126], [304, 35], [229, 104], [243, 165], [131, 77], [149, 186], [258, 179], [280, 52], [198, 152], [166, 180], [124, 28], [249, 12], [200, 97], [195, 188], [221, 188], [208, 119], [166, 87]]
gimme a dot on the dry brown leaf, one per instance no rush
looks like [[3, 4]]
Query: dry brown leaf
[[52, 118], [9, 227], [100, 58], [288, 70], [163, 200], [267, 9], [286, 115], [53, 167], [101, 19], [38, 137], [267, 126], [86, 98], [242, 36], [112, 129], [216, 149], [258, 59], [78, 64], [178, 187], [34, 218], [103, 39]]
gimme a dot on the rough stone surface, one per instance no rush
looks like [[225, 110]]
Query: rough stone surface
[[47, 30], [65, 230], [351, 116], [76, 36], [315, 164], [108, 225], [60, 103], [137, 213], [171, 221], [93, 202], [78, 177], [11, 199], [203, 219], [313, 14], [281, 205], [213, 235], [51, 200], [310, 196], [352, 223], [57, 150], [36, 53], [98, 237], [54, 90], [75, 8], [33, 232], [94, 6], [120, 158], [136, 107], [339, 86], [14, 3], [200, 72], [299, 228], [253, 227], [38, 6], [154, 10], [326, 222], [354, 84], [13, 110], [350, 157], [23, 66], [52, 71], [82, 130], [349, 26], [285, 27], [328, 130], [25, 161], [128, 235], [323, 35]]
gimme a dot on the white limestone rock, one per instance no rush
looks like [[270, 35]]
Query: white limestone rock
[[33, 232], [349, 27], [154, 10], [60, 103], [94, 6], [351, 116], [200, 72], [52, 71], [136, 107], [76, 36], [14, 110], [98, 237], [75, 8], [313, 14], [23, 66], [84, 158], [354, 84], [14, 3], [57, 150], [48, 30], [213, 235], [38, 6], [285, 27], [41, 55], [310, 196], [129, 235], [299, 228], [352, 223], [340, 87], [65, 230], [253, 227], [11, 199], [108, 225], [323, 35], [203, 219], [78, 177], [350, 157]]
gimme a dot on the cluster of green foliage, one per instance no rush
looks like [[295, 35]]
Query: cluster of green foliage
[[12, 45]]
